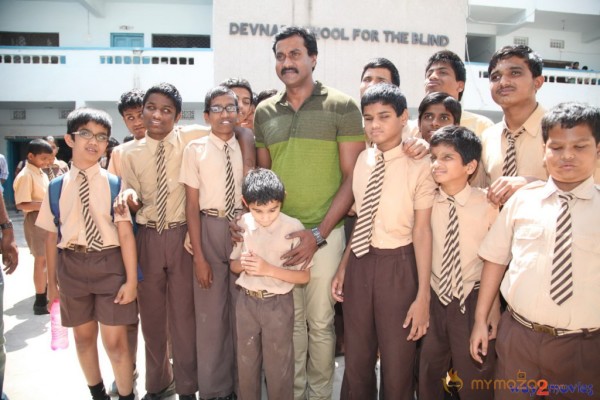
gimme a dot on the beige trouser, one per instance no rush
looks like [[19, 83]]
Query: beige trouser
[[314, 334]]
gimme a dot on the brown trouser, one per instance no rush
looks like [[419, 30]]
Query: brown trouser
[[167, 288], [264, 335], [215, 313], [378, 291], [446, 345], [572, 360]]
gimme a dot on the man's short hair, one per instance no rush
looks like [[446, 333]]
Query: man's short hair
[[166, 89], [571, 114], [310, 41], [533, 60], [39, 146], [454, 61], [450, 103], [133, 98], [463, 140], [261, 186], [384, 93], [381, 62], [238, 83], [81, 116], [216, 92]]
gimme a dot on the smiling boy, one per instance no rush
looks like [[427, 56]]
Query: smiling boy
[[436, 110], [383, 278]]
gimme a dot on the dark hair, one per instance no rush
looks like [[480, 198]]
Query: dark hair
[[131, 99], [216, 92], [262, 186], [450, 103], [310, 41], [534, 61], [39, 146], [81, 116], [168, 90], [238, 83], [464, 141], [454, 61], [381, 62], [571, 114], [384, 93], [265, 94], [128, 138]]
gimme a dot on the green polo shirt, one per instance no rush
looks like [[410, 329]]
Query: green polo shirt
[[304, 150]]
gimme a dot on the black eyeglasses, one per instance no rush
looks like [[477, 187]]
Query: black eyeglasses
[[219, 109], [88, 135]]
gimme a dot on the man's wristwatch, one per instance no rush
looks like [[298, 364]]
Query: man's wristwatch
[[317, 234], [7, 225]]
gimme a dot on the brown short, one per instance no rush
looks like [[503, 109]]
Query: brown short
[[89, 283], [35, 236]]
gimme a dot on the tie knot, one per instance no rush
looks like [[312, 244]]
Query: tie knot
[[83, 175], [510, 136], [451, 199], [566, 197]]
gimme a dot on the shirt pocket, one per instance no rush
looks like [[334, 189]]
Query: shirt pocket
[[528, 244]]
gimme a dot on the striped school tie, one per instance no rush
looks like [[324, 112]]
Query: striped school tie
[[51, 174], [361, 239], [92, 234], [162, 190], [561, 280], [451, 275], [229, 186], [509, 168]]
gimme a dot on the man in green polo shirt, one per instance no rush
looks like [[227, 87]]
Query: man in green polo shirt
[[311, 135]]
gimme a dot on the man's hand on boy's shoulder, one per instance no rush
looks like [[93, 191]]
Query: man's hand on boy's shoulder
[[416, 148], [236, 230], [125, 201], [303, 253], [504, 187]]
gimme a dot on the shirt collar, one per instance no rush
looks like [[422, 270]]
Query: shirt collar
[[460, 198], [217, 141], [254, 226], [318, 90], [33, 168], [584, 191], [532, 124], [396, 152], [90, 172], [153, 143]]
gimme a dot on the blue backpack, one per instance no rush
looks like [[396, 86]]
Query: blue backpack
[[55, 189]]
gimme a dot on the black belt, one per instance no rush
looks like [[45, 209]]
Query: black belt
[[168, 225], [546, 328]]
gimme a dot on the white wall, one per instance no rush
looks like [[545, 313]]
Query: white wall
[[339, 62]]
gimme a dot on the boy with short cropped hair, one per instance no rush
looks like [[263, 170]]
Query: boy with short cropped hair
[[436, 110], [265, 305], [548, 231], [95, 272], [460, 219], [30, 186], [212, 172], [383, 278]]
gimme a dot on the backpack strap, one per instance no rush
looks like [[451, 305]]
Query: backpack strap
[[115, 187], [54, 191]]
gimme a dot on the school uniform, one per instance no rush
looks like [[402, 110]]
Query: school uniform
[[31, 185], [529, 147], [88, 280], [114, 165], [446, 343], [380, 286], [204, 168], [58, 168], [167, 267], [265, 312], [563, 345]]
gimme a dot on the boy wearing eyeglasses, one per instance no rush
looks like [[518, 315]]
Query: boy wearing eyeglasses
[[95, 273], [212, 171], [30, 186]]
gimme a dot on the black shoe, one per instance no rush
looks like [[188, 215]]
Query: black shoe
[[163, 394], [188, 397], [232, 396], [39, 309]]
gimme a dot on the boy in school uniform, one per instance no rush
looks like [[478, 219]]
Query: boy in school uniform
[[265, 305], [549, 233], [30, 186], [95, 272], [55, 167], [383, 278], [460, 219], [437, 109], [212, 172]]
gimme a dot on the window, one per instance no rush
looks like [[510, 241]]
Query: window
[[19, 115], [188, 115], [521, 40], [181, 41], [29, 39], [557, 44]]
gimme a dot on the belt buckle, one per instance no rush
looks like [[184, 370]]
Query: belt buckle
[[544, 329], [221, 214]]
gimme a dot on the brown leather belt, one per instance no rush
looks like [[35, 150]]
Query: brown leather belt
[[546, 328], [213, 212], [259, 294]]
